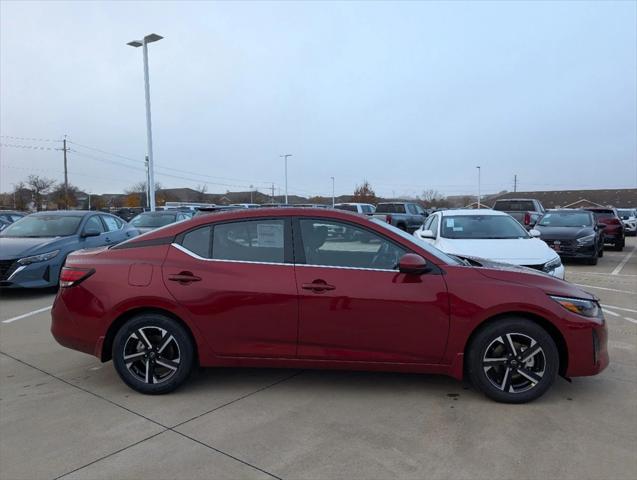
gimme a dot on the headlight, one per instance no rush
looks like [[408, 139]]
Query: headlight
[[587, 239], [585, 308], [43, 257], [552, 265]]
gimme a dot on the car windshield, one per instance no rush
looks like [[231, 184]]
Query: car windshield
[[153, 221], [626, 212], [440, 255], [35, 226], [566, 219], [481, 227]]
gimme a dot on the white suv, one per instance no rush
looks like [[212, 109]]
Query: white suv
[[362, 208]]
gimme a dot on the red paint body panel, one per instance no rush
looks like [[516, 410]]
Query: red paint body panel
[[254, 314]]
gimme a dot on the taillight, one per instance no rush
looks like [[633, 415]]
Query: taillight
[[71, 276], [388, 218], [527, 218]]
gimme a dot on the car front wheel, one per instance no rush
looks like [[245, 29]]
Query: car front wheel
[[513, 360], [153, 353]]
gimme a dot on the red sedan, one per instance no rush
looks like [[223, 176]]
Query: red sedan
[[309, 288]]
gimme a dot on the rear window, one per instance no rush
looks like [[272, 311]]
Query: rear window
[[349, 208], [390, 208], [604, 214], [514, 206], [251, 241]]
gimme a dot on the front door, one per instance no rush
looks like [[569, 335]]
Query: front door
[[354, 303], [236, 280]]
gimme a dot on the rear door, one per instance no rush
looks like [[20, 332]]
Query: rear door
[[356, 306], [236, 279]]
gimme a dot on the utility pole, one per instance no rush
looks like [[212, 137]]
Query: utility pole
[[515, 182], [66, 174], [479, 172], [251, 193], [147, 183], [333, 198], [286, 175], [272, 196]]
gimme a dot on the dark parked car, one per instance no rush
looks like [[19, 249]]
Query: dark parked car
[[614, 231], [273, 288], [147, 221], [7, 217], [127, 214], [217, 208], [405, 215], [525, 210], [572, 234], [33, 249]]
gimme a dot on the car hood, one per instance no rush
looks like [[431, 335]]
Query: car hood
[[527, 276], [17, 247], [564, 233], [515, 251]]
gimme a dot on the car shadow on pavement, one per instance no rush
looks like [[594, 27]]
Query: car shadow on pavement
[[26, 293]]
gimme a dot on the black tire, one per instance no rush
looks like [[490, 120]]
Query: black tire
[[592, 260], [164, 343], [402, 226], [502, 376], [600, 253], [619, 246]]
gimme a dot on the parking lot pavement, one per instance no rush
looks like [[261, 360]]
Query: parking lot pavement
[[63, 412]]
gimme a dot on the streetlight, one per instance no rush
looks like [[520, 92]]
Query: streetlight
[[478, 167], [286, 174], [251, 193], [153, 37], [333, 199]]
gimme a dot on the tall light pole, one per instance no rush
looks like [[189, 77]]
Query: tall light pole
[[478, 167], [251, 193], [153, 37], [333, 198], [286, 175]]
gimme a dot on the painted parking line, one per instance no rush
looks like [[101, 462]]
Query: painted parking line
[[604, 274], [25, 315], [630, 319], [605, 288], [623, 309], [608, 312], [621, 265]]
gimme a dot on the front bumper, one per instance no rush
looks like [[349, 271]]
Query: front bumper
[[35, 275], [571, 249], [630, 228], [587, 350]]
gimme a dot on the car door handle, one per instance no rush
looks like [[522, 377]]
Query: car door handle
[[318, 286], [184, 277]]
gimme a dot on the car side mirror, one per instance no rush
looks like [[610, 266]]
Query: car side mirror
[[90, 232], [414, 264], [427, 234], [535, 233], [601, 225]]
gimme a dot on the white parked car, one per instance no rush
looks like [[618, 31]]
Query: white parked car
[[629, 219], [490, 235], [363, 208]]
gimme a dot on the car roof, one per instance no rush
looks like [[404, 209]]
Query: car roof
[[248, 214], [65, 213], [473, 211]]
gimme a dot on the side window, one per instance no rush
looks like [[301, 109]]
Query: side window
[[250, 241], [433, 226], [111, 223], [419, 210], [94, 223], [427, 223], [198, 241], [411, 209], [339, 244]]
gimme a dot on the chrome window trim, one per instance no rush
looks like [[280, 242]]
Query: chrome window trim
[[194, 255]]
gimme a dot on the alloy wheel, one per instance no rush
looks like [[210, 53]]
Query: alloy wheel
[[151, 354], [514, 363]]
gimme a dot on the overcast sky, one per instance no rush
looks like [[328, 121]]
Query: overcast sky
[[408, 95]]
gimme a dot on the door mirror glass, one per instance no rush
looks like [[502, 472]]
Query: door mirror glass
[[427, 234], [412, 263], [534, 233]]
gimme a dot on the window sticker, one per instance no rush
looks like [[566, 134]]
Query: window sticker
[[450, 222], [458, 229], [270, 235]]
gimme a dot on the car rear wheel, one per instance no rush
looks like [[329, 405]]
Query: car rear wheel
[[619, 246], [513, 360], [153, 353]]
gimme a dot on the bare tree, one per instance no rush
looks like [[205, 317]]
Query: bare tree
[[432, 197], [21, 196], [39, 186], [201, 192], [59, 196], [364, 193]]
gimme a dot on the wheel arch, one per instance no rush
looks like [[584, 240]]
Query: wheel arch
[[119, 322], [551, 329]]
